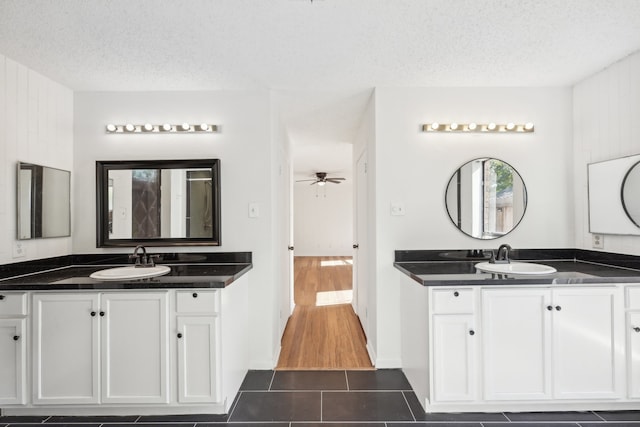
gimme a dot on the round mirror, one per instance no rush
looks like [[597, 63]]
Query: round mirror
[[486, 198], [631, 194]]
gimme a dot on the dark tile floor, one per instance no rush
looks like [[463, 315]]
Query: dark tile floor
[[381, 398]]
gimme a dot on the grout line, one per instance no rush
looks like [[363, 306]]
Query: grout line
[[505, 415], [409, 406], [346, 378], [273, 376], [598, 415], [137, 419], [321, 400], [233, 408], [46, 419]]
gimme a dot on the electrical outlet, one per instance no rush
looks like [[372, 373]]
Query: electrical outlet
[[18, 250], [598, 241]]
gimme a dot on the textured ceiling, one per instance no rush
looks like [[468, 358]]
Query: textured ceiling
[[323, 55]]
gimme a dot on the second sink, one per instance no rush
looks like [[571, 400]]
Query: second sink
[[130, 272]]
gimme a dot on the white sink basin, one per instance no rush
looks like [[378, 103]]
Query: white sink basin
[[522, 268], [130, 272]]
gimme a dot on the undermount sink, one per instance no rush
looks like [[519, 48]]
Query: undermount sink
[[130, 272], [522, 268]]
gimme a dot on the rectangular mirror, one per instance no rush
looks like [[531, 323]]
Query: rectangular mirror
[[158, 202], [43, 202], [609, 213]]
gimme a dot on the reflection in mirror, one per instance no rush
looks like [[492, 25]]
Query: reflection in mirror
[[631, 194], [43, 201], [486, 198], [158, 203]]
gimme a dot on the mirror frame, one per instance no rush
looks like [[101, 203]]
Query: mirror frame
[[102, 202], [635, 221]]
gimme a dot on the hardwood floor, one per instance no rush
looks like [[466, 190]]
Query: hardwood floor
[[321, 336]]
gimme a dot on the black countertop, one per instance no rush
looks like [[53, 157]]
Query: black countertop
[[447, 268], [217, 271]]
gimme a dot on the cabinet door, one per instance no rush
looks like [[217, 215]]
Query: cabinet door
[[65, 348], [198, 359], [515, 331], [633, 354], [454, 357], [134, 347], [13, 361], [584, 343]]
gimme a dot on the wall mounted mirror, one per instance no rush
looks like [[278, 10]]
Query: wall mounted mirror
[[614, 196], [43, 202], [486, 198], [158, 202]]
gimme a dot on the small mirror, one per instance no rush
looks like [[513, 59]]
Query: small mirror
[[631, 194], [43, 201], [158, 203], [486, 198]]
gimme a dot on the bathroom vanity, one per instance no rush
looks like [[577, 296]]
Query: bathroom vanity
[[73, 345], [479, 342]]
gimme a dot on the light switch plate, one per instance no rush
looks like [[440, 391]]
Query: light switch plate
[[598, 241], [18, 250], [397, 209]]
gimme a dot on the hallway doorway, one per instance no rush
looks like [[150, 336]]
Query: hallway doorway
[[323, 332]]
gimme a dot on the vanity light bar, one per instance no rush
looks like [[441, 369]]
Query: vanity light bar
[[163, 128], [479, 127]]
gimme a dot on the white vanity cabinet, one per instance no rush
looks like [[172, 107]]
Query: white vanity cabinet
[[94, 348], [455, 345], [551, 343], [13, 350], [632, 328], [198, 346]]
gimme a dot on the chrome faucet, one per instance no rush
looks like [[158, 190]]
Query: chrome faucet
[[142, 260], [503, 255]]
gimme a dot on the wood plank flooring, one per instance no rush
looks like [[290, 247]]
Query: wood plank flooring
[[329, 336]]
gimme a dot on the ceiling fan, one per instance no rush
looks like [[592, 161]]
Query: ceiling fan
[[321, 179]]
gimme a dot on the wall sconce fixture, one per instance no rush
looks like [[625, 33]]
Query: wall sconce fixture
[[478, 127], [163, 128]]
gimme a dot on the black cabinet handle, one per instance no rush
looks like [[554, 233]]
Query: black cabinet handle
[[179, 335], [472, 332], [290, 248], [637, 329], [93, 314], [456, 294], [1, 297], [102, 314], [16, 337], [549, 307], [356, 246], [558, 308], [195, 295]]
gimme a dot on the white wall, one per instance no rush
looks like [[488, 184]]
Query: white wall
[[246, 155], [323, 219], [36, 126], [606, 108], [414, 167]]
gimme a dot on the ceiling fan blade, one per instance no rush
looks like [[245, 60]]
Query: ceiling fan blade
[[306, 180], [335, 180]]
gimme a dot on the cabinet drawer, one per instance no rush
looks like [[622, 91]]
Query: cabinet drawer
[[13, 304], [633, 297], [453, 300], [197, 301]]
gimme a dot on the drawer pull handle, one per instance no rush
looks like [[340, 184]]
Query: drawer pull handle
[[102, 314], [195, 295], [558, 308], [549, 307], [16, 337], [179, 335], [93, 314], [456, 294], [637, 329], [472, 332]]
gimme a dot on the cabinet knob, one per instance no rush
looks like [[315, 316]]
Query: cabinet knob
[[102, 314], [16, 337], [472, 332], [637, 329], [456, 294], [1, 297], [549, 307], [558, 308], [179, 335], [356, 246], [195, 295], [93, 314]]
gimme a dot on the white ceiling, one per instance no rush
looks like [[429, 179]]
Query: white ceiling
[[322, 57]]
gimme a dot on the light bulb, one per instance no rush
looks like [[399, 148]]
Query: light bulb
[[321, 183], [435, 126], [111, 127], [510, 126], [204, 127], [491, 126], [167, 127], [148, 127], [185, 126], [528, 126], [472, 126], [453, 126], [129, 127]]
